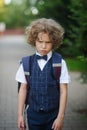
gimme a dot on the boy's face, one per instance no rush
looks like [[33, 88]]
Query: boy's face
[[43, 43]]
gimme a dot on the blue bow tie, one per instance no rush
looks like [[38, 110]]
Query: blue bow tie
[[41, 57]]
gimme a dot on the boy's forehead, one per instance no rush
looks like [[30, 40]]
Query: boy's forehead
[[43, 35], [40, 35]]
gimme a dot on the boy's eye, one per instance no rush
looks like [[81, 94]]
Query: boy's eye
[[44, 41], [40, 41], [48, 42]]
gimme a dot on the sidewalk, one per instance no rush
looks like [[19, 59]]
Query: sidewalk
[[76, 113]]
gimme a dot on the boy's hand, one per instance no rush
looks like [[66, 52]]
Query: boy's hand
[[57, 124], [21, 123]]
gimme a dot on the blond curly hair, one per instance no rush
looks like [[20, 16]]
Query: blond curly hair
[[54, 30]]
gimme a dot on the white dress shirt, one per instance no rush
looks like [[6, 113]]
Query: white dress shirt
[[64, 77]]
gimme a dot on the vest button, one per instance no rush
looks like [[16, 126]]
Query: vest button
[[41, 109]]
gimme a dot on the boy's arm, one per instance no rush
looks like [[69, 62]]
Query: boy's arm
[[62, 106], [63, 100], [21, 103]]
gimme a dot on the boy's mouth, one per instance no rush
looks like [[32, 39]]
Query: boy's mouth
[[43, 51]]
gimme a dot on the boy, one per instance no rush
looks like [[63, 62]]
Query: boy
[[47, 102]]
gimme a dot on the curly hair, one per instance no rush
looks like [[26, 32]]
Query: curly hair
[[54, 30]]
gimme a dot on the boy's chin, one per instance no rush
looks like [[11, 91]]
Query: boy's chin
[[43, 53]]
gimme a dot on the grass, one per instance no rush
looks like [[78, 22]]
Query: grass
[[77, 65]]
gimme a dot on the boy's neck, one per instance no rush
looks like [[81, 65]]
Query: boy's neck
[[50, 52]]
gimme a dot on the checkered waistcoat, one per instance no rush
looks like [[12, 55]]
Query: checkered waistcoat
[[43, 92]]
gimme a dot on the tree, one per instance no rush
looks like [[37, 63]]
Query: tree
[[83, 29], [17, 14], [62, 11]]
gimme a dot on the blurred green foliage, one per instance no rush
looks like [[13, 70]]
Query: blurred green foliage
[[77, 64]]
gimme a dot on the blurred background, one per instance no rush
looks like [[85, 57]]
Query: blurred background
[[15, 16], [71, 14]]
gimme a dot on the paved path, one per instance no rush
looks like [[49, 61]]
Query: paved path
[[12, 48]]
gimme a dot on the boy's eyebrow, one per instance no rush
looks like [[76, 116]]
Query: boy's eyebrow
[[44, 41]]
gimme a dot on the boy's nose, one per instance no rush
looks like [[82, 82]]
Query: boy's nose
[[44, 45]]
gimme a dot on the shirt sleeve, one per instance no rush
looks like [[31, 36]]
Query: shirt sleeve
[[64, 77], [20, 76]]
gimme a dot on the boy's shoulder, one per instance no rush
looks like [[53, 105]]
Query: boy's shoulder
[[56, 56], [27, 62], [27, 59]]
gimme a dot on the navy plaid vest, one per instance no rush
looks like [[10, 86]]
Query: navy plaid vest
[[43, 92]]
